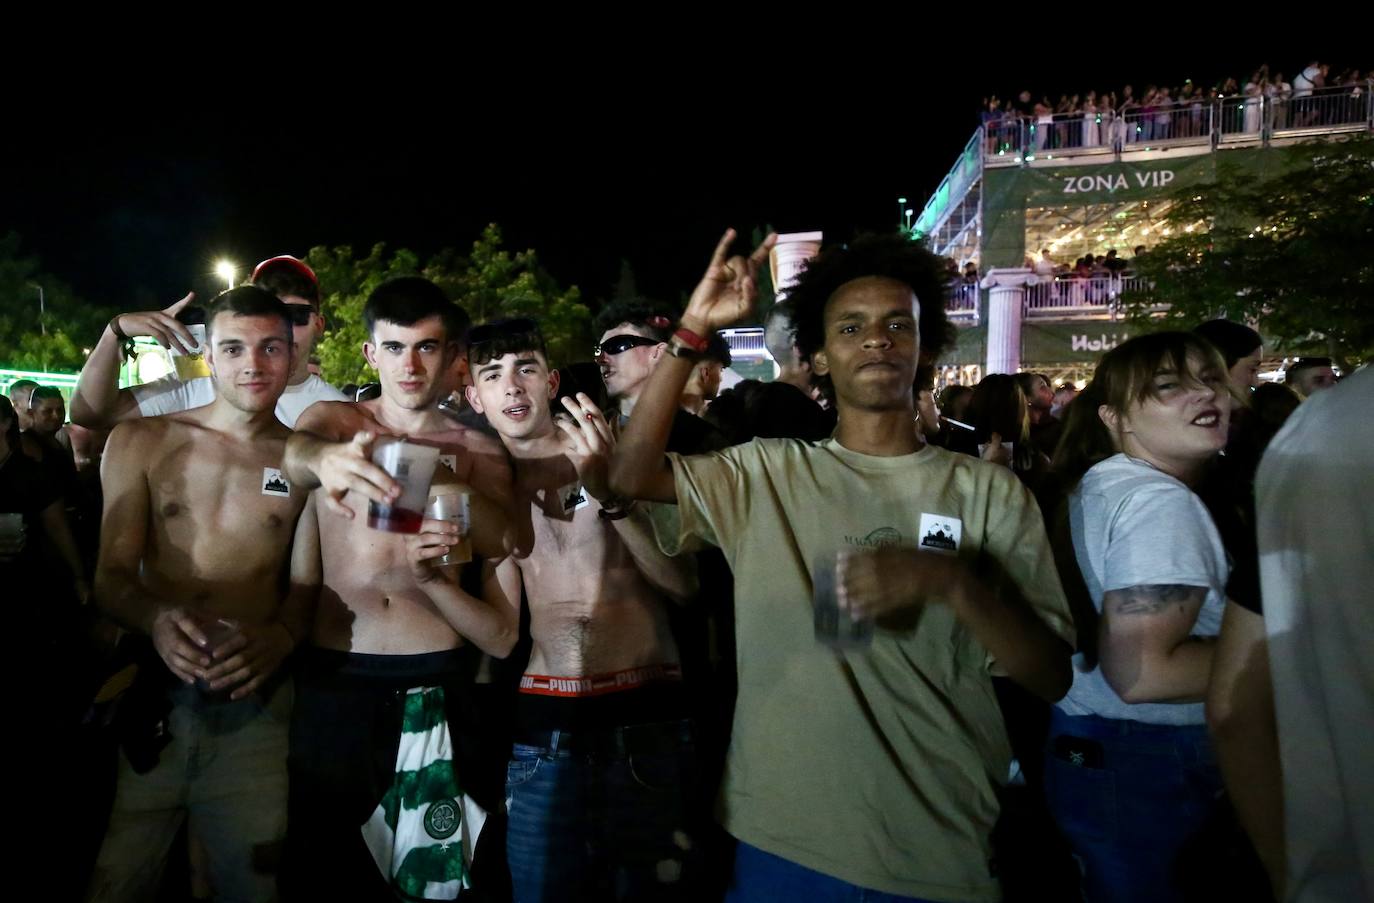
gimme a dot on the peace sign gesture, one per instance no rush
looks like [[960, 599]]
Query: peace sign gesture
[[725, 295]]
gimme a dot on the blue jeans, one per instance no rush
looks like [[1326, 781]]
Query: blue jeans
[[604, 815], [1128, 797], [764, 878]]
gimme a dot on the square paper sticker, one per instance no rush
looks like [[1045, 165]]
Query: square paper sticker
[[574, 498], [940, 533], [274, 482]]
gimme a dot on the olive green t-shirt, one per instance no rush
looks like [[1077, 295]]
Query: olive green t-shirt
[[876, 766]]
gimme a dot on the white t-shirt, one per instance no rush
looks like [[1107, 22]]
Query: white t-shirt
[[1134, 525], [1306, 81], [1314, 499], [170, 395]]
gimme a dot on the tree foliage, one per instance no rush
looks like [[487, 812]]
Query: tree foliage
[[54, 339], [488, 281], [1292, 253]]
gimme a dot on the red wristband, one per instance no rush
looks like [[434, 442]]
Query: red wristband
[[692, 340]]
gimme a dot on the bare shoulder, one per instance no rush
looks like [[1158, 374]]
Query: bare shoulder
[[335, 419], [143, 433]]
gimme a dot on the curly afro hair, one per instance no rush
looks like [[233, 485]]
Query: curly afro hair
[[891, 256]]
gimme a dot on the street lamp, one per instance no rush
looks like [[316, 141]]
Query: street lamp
[[42, 309], [226, 271]]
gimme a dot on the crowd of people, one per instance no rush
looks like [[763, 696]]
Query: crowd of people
[[1090, 279], [1161, 112], [812, 639]]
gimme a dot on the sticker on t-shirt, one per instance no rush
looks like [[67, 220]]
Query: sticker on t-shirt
[[449, 461], [274, 483], [573, 497], [940, 532]]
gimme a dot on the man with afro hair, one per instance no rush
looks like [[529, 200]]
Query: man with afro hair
[[872, 763]]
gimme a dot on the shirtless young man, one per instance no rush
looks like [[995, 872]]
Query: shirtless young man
[[194, 550], [600, 785], [386, 659]]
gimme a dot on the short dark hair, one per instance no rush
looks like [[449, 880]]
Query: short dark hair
[[497, 338], [890, 256], [247, 301], [656, 318], [406, 300], [20, 385], [285, 277], [44, 393], [1233, 340], [717, 349], [1305, 363]]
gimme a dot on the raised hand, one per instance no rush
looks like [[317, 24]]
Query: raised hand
[[591, 443], [160, 325], [725, 294]]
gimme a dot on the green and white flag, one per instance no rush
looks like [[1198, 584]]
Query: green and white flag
[[424, 830]]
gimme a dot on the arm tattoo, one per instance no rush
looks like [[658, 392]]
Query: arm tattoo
[[1151, 598]]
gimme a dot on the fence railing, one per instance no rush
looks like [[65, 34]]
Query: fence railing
[[1324, 108], [1067, 295], [1343, 108], [961, 302]]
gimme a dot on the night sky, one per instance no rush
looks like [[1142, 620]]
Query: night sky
[[132, 189]]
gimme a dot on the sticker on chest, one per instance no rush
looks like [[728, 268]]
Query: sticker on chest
[[274, 482], [940, 532], [573, 497]]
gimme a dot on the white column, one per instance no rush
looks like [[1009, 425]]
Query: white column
[[1006, 300]]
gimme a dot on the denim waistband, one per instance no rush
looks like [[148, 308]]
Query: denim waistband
[[1098, 727], [662, 736]]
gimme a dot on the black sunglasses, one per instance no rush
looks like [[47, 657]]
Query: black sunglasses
[[618, 344], [300, 314]]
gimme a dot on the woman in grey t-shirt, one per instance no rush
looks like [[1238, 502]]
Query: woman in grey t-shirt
[[1130, 773]]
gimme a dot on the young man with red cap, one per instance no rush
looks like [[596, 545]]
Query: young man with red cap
[[99, 403]]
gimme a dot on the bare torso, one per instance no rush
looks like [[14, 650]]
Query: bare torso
[[369, 602], [591, 612], [219, 522]]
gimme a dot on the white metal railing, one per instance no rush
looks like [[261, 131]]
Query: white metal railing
[[1068, 294], [1324, 108], [1180, 121], [961, 302]]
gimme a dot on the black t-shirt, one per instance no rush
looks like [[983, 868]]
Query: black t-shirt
[[1228, 492], [774, 410], [692, 436], [27, 490]]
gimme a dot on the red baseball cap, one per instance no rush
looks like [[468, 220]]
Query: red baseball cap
[[294, 262]]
